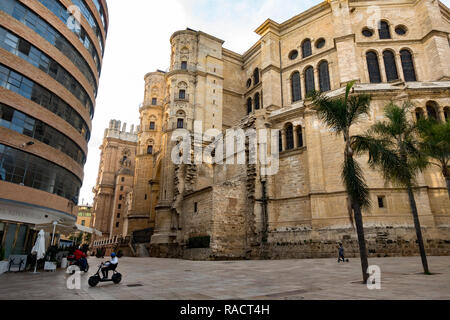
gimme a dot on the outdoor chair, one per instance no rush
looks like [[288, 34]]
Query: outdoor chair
[[17, 260]]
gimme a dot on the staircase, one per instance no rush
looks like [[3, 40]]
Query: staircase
[[142, 250]]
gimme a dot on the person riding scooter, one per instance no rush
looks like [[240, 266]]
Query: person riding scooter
[[80, 258], [110, 265]]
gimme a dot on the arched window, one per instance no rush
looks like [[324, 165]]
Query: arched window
[[324, 77], [289, 137], [447, 113], [383, 30], [306, 48], [408, 65], [256, 76], [300, 136], [432, 108], [419, 113], [390, 66], [309, 80], [373, 66], [249, 105], [296, 87], [256, 101]]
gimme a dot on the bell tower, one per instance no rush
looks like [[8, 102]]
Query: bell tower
[[146, 182]]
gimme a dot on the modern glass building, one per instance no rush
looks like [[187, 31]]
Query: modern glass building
[[50, 63]]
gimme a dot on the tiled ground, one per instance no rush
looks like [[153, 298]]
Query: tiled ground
[[164, 279]]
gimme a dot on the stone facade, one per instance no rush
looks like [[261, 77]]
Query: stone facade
[[115, 180], [302, 210]]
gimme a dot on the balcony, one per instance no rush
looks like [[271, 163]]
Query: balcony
[[184, 67], [181, 97]]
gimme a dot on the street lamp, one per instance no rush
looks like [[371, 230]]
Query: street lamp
[[55, 223]]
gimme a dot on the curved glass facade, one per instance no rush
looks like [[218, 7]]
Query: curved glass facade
[[13, 81], [101, 11], [45, 30], [61, 12], [29, 170], [22, 123], [36, 57]]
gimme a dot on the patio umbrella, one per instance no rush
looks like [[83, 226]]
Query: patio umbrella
[[39, 248]]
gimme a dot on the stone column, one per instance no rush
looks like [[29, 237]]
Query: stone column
[[295, 137], [316, 79], [283, 136]]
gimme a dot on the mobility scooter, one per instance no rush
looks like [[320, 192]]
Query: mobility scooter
[[98, 277]]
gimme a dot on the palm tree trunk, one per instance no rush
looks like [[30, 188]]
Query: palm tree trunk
[[412, 202], [447, 179], [361, 240]]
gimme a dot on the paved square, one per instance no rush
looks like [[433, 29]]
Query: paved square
[[164, 279]]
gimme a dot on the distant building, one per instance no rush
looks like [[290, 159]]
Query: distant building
[[115, 180]]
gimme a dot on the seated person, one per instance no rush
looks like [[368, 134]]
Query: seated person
[[110, 265], [80, 257]]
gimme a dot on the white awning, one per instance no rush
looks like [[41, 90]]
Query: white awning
[[15, 211], [88, 230]]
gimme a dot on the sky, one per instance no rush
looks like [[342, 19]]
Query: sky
[[138, 43]]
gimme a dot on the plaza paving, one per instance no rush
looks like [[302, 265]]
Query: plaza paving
[[164, 279]]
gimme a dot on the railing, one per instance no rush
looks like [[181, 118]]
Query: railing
[[148, 128], [177, 97], [188, 67]]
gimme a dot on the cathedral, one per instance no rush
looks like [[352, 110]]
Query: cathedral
[[294, 205]]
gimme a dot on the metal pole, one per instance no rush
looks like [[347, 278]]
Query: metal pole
[[53, 235]]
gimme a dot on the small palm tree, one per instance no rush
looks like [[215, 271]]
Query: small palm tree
[[393, 148], [436, 145], [340, 114]]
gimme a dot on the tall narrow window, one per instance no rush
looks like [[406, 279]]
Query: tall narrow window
[[309, 80], [306, 48], [296, 87], [432, 110], [447, 113], [152, 125], [289, 137], [256, 76], [300, 136], [150, 150], [324, 77], [180, 124], [280, 141], [383, 30], [154, 101], [249, 105], [373, 66], [257, 101], [408, 65], [183, 65], [182, 94], [390, 66]]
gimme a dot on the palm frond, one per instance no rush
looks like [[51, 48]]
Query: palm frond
[[331, 112], [353, 178], [358, 105]]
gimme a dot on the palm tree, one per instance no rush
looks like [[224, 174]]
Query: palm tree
[[436, 145], [340, 114], [393, 148]]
